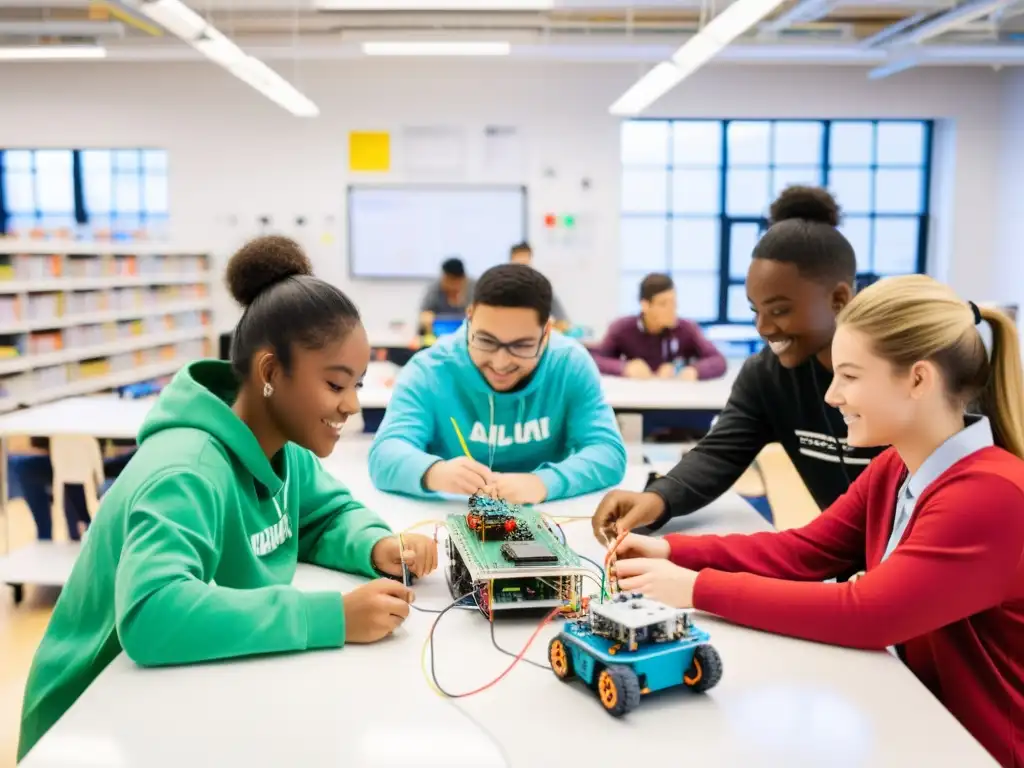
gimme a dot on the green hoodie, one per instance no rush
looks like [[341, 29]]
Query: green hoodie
[[192, 552]]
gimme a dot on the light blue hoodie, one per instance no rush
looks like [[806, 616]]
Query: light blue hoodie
[[558, 426]]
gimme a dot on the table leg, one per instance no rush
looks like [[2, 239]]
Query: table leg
[[19, 593], [3, 495]]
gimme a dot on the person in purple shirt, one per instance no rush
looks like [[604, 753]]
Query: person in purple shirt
[[657, 343]]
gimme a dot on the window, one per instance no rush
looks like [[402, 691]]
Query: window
[[119, 193], [695, 194]]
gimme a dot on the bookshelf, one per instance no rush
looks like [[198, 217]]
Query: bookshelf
[[78, 318]]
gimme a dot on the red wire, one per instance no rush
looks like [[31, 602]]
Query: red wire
[[519, 656], [615, 545]]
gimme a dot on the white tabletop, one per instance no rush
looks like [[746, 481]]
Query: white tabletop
[[102, 416], [108, 416], [622, 394], [781, 702]]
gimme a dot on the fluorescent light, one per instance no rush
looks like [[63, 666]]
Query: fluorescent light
[[182, 21], [739, 17], [436, 5], [648, 89], [265, 80], [175, 17], [439, 48], [216, 47], [52, 52]]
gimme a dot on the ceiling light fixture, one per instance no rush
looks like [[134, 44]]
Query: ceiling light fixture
[[435, 5], [722, 30], [52, 52], [436, 48], [180, 20]]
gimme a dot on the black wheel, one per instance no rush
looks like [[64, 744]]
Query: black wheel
[[560, 659], [706, 670], [618, 690]]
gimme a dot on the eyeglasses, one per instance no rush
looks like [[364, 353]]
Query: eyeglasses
[[525, 350]]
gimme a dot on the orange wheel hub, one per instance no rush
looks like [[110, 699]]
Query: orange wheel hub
[[698, 673], [558, 658], [607, 691]]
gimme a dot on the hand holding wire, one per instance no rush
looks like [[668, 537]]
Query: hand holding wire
[[609, 560], [403, 553]]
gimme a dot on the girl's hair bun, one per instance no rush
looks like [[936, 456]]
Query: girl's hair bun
[[261, 263], [806, 203]]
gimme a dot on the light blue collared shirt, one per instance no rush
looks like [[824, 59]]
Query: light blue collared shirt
[[977, 434]]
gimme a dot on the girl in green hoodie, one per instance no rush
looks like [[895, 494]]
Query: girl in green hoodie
[[193, 550]]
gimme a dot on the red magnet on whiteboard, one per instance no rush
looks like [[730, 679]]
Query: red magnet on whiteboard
[[550, 220]]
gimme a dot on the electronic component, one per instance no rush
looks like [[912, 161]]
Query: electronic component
[[481, 566], [495, 520], [630, 646], [527, 552]]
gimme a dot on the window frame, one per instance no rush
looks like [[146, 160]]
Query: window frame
[[867, 272], [81, 211]]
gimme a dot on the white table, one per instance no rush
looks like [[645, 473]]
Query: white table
[[101, 416], [622, 394], [48, 563], [781, 702]]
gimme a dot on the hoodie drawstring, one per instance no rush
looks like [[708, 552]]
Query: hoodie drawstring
[[492, 434], [492, 437]]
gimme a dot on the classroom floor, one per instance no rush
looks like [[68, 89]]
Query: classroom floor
[[22, 628], [20, 632]]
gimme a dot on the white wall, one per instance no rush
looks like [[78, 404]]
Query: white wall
[[234, 153], [1008, 200]]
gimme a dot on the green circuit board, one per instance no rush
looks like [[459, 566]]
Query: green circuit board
[[484, 559]]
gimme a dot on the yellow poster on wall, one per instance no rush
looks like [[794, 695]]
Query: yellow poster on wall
[[369, 151]]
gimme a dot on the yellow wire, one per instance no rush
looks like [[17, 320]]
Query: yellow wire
[[423, 665], [421, 523], [462, 440]]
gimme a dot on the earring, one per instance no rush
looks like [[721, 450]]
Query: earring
[[268, 390]]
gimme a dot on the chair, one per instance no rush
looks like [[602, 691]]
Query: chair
[[792, 504], [77, 459]]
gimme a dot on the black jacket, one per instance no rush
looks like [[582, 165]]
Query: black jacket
[[768, 403]]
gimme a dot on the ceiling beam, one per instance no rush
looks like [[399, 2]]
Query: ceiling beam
[[801, 12], [45, 28], [940, 24]]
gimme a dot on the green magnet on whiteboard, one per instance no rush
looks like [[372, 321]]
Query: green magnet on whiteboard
[[569, 221]]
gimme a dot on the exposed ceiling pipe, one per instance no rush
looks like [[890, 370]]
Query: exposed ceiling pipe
[[891, 31], [802, 12], [945, 22], [62, 28]]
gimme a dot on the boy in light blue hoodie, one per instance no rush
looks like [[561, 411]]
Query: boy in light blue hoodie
[[528, 403]]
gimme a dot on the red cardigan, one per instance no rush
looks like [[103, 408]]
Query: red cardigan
[[951, 595]]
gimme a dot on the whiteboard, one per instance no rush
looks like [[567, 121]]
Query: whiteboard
[[407, 231]]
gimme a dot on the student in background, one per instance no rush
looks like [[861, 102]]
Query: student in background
[[447, 296], [31, 478], [192, 555], [522, 253], [528, 403], [801, 275], [938, 518], [658, 343]]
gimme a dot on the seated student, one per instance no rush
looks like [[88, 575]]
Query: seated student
[[522, 253], [938, 518], [447, 296], [192, 554], [657, 342], [32, 479], [527, 402], [801, 275]]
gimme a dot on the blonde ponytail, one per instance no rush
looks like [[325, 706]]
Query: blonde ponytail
[[914, 317], [1002, 398]]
